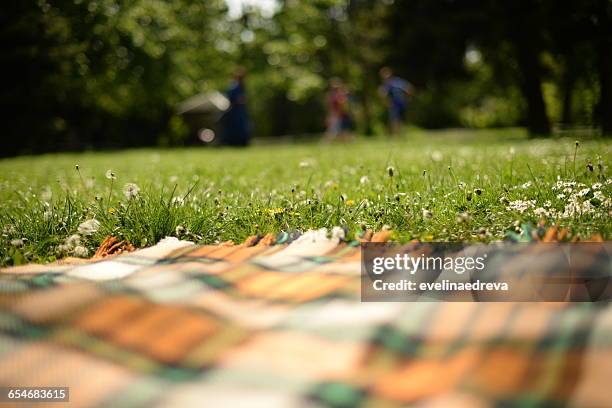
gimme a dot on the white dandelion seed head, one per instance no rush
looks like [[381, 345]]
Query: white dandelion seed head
[[17, 242], [131, 190], [89, 227], [80, 251], [46, 194], [8, 229], [177, 201], [73, 240]]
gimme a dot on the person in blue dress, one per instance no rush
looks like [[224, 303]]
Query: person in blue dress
[[396, 92], [237, 127]]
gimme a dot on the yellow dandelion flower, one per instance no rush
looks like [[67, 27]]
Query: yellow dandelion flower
[[350, 203]]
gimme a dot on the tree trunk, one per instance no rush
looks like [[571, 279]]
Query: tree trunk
[[605, 68], [568, 91], [531, 87]]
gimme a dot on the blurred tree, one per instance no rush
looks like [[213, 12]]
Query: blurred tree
[[106, 72]]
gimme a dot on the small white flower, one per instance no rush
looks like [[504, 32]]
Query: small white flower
[[304, 165], [520, 205], [364, 180], [180, 230], [110, 175], [131, 190], [583, 192], [596, 186], [526, 185], [18, 242], [80, 251], [426, 213], [89, 227], [178, 201], [540, 212], [436, 156]]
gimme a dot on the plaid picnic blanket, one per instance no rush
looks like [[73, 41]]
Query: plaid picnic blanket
[[181, 325]]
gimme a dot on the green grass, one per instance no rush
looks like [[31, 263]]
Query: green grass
[[446, 185]]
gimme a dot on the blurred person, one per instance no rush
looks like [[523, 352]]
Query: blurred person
[[236, 122], [339, 119], [396, 92]]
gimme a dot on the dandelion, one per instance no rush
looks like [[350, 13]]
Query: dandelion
[[18, 242], [179, 201], [364, 180], [483, 232], [463, 217], [350, 203], [8, 230], [131, 190], [47, 194], [73, 240], [89, 227], [329, 183], [80, 251], [110, 175]]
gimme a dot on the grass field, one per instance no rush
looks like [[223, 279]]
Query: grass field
[[446, 185]]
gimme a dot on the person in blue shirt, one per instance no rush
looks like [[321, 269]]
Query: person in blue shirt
[[237, 127], [396, 92]]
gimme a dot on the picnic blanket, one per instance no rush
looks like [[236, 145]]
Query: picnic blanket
[[283, 325]]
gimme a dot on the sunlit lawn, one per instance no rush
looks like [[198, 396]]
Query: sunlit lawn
[[446, 185]]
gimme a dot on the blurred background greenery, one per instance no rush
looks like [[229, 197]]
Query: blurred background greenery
[[81, 74]]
